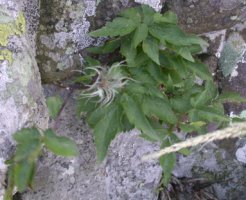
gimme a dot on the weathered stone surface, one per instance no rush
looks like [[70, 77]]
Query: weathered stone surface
[[215, 167], [62, 34], [122, 175], [208, 15], [21, 100]]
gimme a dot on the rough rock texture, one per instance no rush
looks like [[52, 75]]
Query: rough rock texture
[[217, 167], [198, 16], [21, 100], [122, 176], [62, 37]]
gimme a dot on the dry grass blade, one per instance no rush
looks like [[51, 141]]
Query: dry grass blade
[[235, 130]]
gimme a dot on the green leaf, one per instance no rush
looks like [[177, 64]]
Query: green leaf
[[168, 17], [106, 129], [173, 34], [91, 61], [199, 69], [167, 163], [206, 96], [230, 97], [159, 108], [185, 53], [140, 34], [95, 115], [151, 48], [108, 47], [22, 174], [120, 26], [54, 105], [28, 150], [26, 135], [85, 105], [60, 145], [136, 116], [211, 114], [181, 104], [193, 126], [133, 14], [128, 51], [148, 14]]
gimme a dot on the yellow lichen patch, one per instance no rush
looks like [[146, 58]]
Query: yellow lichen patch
[[6, 55], [16, 27]]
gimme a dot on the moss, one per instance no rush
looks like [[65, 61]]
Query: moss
[[16, 27]]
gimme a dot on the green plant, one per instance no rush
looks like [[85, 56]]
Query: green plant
[[155, 90], [30, 143]]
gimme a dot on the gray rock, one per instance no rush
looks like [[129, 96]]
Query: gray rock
[[22, 103], [122, 176]]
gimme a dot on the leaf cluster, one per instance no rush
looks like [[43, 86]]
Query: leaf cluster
[[29, 145], [165, 96]]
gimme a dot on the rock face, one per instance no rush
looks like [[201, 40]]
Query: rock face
[[21, 100], [62, 27], [122, 176]]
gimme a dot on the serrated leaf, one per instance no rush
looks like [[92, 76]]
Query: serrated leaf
[[148, 14], [140, 34], [108, 47], [128, 52], [193, 126], [136, 117], [133, 14], [167, 17], [199, 69], [181, 104], [159, 108], [185, 53], [91, 61], [94, 116], [60, 145], [206, 96], [211, 114], [151, 48], [167, 163], [54, 104], [231, 97], [28, 151], [106, 129], [26, 135], [173, 34], [85, 106], [22, 174], [120, 26]]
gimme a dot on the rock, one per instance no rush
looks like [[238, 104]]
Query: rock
[[122, 175], [22, 103], [208, 15], [212, 168]]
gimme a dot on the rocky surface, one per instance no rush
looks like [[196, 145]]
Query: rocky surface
[[21, 99], [62, 28], [122, 175]]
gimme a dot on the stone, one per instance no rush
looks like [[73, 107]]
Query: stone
[[22, 103], [121, 176]]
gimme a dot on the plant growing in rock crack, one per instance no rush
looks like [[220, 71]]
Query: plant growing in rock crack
[[156, 90], [30, 143]]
